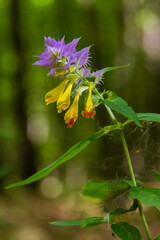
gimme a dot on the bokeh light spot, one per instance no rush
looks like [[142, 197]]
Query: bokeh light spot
[[51, 187]]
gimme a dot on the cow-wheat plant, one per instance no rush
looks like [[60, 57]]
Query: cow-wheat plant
[[72, 69]]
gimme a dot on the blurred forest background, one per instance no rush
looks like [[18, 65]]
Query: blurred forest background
[[33, 135]]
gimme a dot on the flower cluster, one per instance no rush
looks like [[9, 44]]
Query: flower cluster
[[70, 67]]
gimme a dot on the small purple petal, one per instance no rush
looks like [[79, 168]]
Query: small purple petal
[[85, 72], [43, 55], [52, 72], [82, 56], [70, 47], [60, 44], [98, 74], [50, 41], [43, 63]]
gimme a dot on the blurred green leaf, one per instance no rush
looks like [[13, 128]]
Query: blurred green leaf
[[157, 238], [97, 189], [86, 222], [126, 231], [148, 196], [119, 105], [157, 174], [73, 151]]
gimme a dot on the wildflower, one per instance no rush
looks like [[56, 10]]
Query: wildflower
[[71, 115], [57, 55], [62, 58], [54, 94], [64, 100], [89, 109], [71, 66]]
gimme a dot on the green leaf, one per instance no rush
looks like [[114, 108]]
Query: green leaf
[[120, 211], [157, 238], [149, 196], [153, 117], [119, 105], [126, 231], [103, 189], [157, 174], [86, 222], [114, 68], [73, 151]]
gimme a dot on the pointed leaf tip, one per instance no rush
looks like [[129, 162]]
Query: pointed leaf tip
[[73, 151]]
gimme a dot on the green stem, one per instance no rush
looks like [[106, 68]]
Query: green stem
[[129, 164], [128, 157], [134, 183]]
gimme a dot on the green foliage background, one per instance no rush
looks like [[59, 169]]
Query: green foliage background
[[33, 135]]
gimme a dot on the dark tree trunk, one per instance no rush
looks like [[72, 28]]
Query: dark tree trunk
[[26, 154]]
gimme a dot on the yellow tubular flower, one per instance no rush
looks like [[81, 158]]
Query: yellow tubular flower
[[89, 109], [71, 115], [54, 94], [64, 101]]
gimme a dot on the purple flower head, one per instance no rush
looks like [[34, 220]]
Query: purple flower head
[[99, 75], [58, 55]]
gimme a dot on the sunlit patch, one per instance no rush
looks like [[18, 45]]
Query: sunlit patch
[[51, 187], [38, 128], [78, 171], [29, 232]]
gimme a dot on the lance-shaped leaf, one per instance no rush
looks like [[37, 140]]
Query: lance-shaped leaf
[[150, 117], [157, 174], [126, 231], [148, 196], [73, 151], [119, 105], [86, 222], [114, 68]]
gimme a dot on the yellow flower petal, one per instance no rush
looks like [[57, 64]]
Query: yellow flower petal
[[64, 100], [89, 109], [71, 115], [54, 94]]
